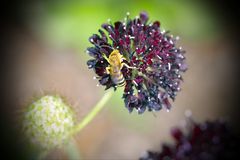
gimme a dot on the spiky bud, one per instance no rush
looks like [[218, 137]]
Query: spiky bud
[[47, 122]]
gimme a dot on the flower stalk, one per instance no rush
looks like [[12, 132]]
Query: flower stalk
[[71, 148], [96, 109], [49, 123]]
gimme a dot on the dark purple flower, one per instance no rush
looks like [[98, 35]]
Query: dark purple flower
[[151, 65], [206, 141]]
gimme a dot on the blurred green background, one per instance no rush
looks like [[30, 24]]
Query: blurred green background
[[52, 59], [72, 22]]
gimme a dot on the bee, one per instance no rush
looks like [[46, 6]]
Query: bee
[[116, 64]]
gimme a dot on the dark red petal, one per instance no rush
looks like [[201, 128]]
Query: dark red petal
[[143, 17], [91, 63], [104, 37], [177, 134], [94, 52], [118, 25], [156, 24]]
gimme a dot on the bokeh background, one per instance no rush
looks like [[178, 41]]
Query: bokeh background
[[44, 45]]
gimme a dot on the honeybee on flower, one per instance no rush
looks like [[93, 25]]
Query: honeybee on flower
[[115, 61], [140, 57]]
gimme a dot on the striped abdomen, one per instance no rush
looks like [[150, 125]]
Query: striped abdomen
[[117, 76]]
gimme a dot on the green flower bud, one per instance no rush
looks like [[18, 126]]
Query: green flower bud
[[47, 122]]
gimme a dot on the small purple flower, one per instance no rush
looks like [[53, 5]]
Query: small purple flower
[[202, 141], [151, 63]]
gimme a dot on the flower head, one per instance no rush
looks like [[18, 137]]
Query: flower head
[[142, 58], [47, 122], [211, 140]]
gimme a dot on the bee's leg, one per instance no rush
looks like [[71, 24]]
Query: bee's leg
[[108, 70], [105, 57], [124, 64], [122, 58]]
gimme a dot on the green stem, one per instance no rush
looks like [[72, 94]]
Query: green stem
[[72, 150], [96, 109]]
